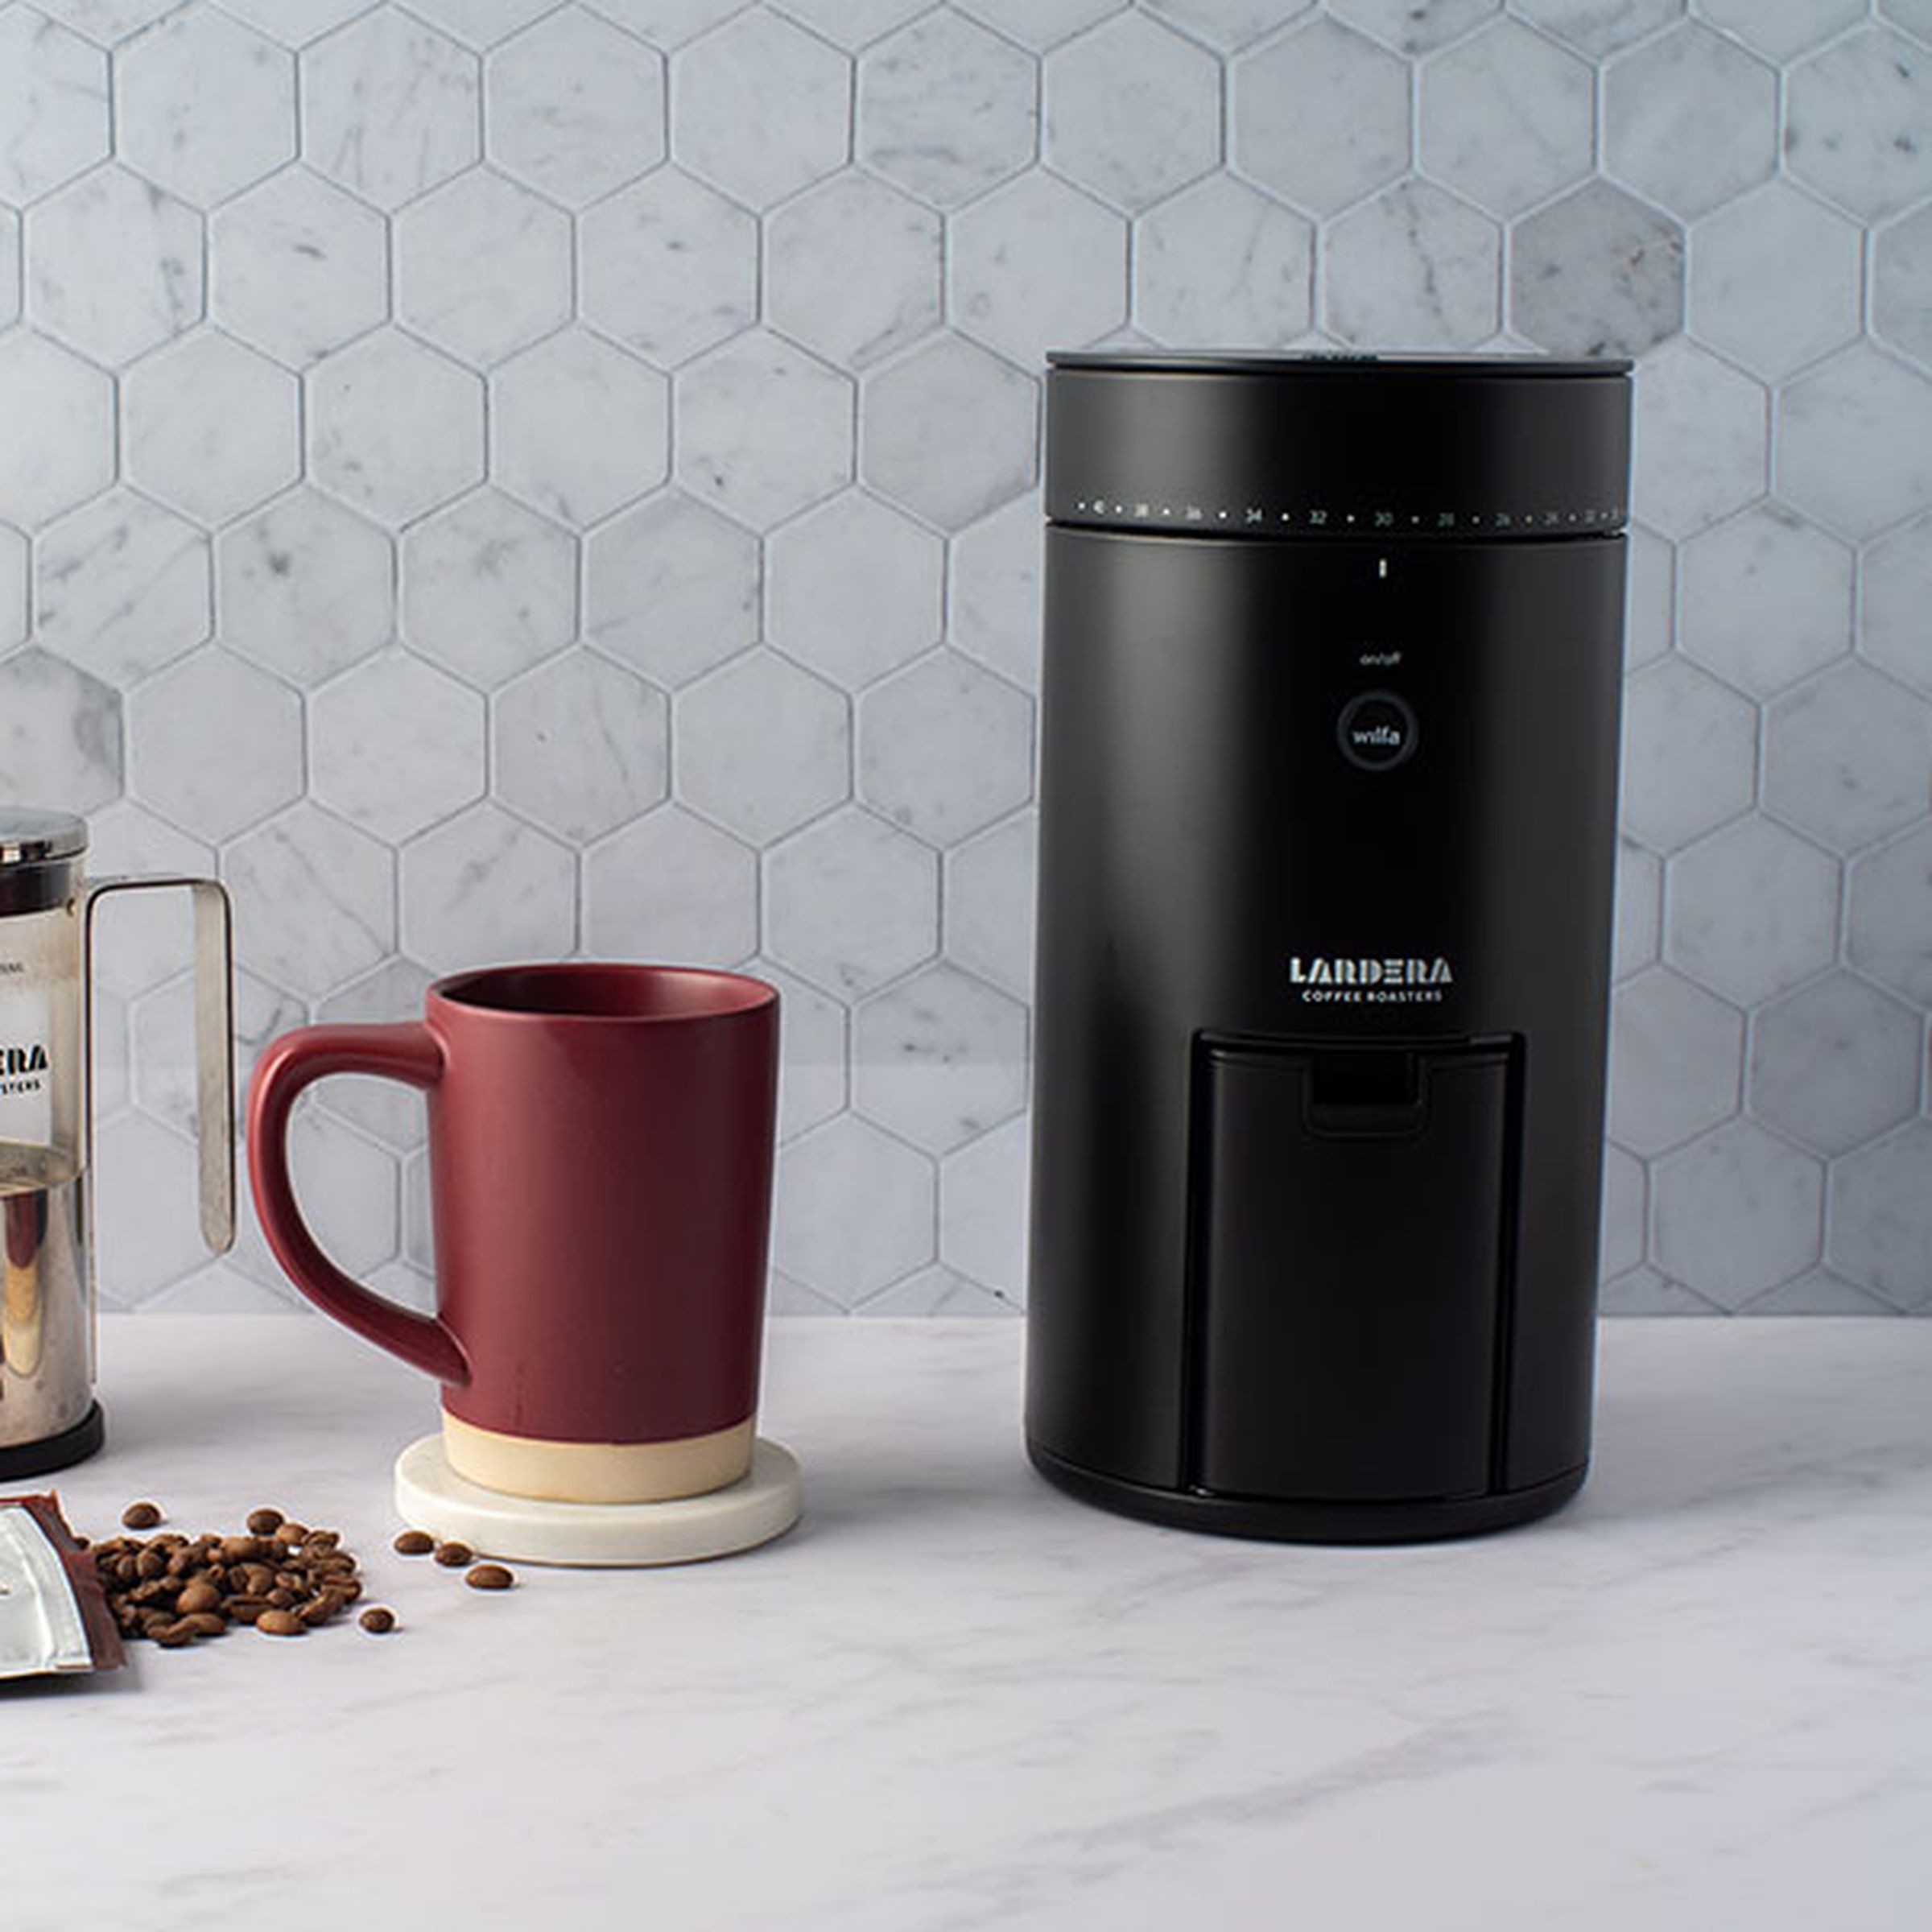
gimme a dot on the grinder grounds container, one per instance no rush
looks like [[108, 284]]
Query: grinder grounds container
[[1330, 705]]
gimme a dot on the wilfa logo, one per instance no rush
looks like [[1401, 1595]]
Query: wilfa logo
[[1325, 979]]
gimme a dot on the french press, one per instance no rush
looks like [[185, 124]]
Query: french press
[[48, 1415]]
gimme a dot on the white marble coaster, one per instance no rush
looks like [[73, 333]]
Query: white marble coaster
[[764, 1504]]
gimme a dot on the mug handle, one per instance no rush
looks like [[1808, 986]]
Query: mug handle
[[407, 1051]]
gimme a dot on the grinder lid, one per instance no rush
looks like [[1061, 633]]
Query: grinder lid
[[1253, 445]]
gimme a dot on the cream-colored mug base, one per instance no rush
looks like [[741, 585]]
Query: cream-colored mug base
[[597, 1473]]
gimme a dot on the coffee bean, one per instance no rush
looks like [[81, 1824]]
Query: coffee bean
[[378, 1619], [245, 1609], [414, 1543], [489, 1576], [264, 1522], [321, 1540], [242, 1549], [197, 1596], [141, 1515], [205, 1623], [453, 1555], [280, 1623], [288, 1532], [172, 1635]]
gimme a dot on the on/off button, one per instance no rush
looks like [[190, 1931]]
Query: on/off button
[[1376, 731]]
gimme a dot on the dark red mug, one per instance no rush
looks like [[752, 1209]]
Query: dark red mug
[[600, 1146]]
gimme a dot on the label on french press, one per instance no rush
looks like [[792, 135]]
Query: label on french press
[[24, 1067], [29, 1054], [24, 1062]]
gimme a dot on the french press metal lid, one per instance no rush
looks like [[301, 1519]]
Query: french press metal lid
[[49, 1417]]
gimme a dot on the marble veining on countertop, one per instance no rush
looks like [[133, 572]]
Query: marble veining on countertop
[[952, 1698]]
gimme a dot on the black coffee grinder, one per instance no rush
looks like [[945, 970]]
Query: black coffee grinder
[[1327, 825]]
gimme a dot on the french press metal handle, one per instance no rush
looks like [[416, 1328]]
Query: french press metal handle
[[214, 1036]]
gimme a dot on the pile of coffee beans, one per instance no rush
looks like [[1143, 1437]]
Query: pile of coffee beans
[[282, 1577]]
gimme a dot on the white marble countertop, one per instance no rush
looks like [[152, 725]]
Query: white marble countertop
[[1700, 1697]]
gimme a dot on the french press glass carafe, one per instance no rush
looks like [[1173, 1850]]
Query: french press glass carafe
[[48, 1415]]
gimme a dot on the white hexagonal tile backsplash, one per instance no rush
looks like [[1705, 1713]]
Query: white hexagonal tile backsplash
[[500, 477], [118, 265]]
